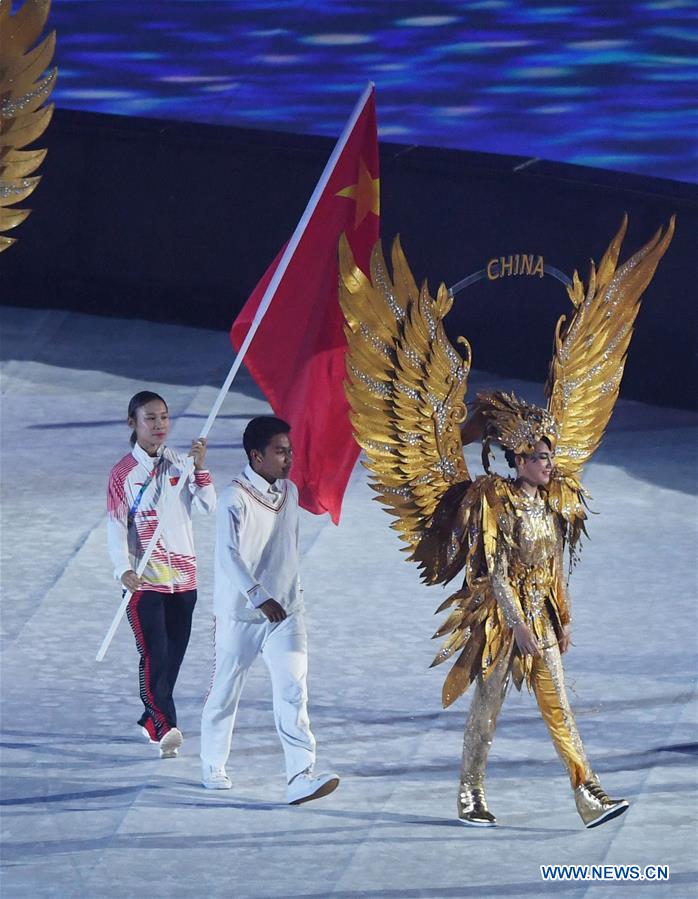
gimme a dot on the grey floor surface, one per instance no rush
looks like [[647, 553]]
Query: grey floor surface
[[88, 810]]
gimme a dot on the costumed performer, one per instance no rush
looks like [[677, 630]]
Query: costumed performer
[[510, 621]]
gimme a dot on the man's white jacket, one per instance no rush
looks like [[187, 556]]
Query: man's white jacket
[[257, 548]]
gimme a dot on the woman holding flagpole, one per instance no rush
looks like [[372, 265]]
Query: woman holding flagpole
[[160, 610]]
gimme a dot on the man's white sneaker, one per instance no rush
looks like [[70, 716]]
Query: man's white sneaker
[[170, 743], [306, 786], [214, 778]]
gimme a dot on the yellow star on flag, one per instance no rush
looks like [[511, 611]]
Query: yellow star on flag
[[365, 194]]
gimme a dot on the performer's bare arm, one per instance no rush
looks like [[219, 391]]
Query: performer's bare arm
[[510, 605]]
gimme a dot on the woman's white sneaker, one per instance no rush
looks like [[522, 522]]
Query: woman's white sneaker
[[170, 743]]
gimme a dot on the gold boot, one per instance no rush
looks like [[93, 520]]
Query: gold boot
[[472, 807], [594, 806]]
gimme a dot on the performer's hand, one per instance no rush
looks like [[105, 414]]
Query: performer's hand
[[198, 452], [131, 581], [565, 640], [526, 640], [273, 610]]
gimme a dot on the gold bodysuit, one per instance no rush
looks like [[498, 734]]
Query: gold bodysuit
[[523, 551], [526, 570]]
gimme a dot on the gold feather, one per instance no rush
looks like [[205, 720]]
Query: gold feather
[[24, 89], [589, 354], [405, 385]]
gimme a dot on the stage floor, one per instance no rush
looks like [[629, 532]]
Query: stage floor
[[88, 810]]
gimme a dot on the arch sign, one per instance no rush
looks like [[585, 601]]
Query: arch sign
[[527, 264]]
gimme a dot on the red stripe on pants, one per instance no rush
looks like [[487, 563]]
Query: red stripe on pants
[[157, 715]]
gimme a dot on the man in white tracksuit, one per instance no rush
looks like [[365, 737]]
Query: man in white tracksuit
[[258, 607]]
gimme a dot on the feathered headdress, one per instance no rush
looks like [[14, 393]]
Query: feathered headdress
[[511, 422]]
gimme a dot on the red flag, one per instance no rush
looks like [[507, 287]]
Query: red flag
[[297, 354]]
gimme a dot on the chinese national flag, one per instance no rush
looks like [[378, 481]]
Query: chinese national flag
[[297, 355]]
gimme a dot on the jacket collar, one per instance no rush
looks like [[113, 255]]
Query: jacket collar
[[149, 461], [260, 484]]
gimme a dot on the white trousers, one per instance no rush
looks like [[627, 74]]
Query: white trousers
[[284, 648]]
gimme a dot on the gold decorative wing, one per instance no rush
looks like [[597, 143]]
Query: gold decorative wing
[[406, 385], [476, 627], [24, 88], [589, 354]]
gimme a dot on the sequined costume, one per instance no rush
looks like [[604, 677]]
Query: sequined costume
[[521, 581], [406, 386]]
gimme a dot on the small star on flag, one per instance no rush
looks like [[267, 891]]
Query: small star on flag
[[366, 194]]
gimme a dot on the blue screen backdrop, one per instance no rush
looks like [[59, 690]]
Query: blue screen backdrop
[[607, 84]]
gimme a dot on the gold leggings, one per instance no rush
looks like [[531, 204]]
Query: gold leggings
[[548, 683]]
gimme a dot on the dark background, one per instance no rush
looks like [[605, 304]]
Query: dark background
[[176, 222]]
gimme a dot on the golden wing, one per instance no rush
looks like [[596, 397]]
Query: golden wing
[[589, 354], [23, 90], [405, 385]]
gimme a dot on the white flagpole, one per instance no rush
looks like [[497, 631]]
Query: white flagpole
[[256, 321], [288, 252]]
